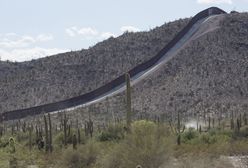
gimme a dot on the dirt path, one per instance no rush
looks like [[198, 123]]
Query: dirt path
[[239, 161]]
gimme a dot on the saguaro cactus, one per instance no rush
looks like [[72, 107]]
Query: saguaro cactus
[[232, 122], [238, 125], [78, 132], [79, 135], [1, 126], [74, 141], [36, 134], [179, 129], [12, 148], [65, 129], [50, 133], [240, 120], [209, 123], [213, 122], [30, 129], [46, 135], [128, 100], [245, 119], [88, 127]]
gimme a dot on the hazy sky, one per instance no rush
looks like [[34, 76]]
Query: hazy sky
[[32, 29]]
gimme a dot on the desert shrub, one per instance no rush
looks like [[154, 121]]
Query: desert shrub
[[22, 136], [4, 141], [243, 133], [71, 158], [189, 135], [143, 146], [113, 132], [59, 139], [143, 127], [209, 138], [85, 156], [70, 136]]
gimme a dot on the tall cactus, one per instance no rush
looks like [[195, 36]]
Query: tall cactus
[[179, 129], [209, 123], [88, 128], [213, 122], [74, 141], [232, 122], [46, 134], [69, 130], [238, 125], [65, 129], [245, 119], [240, 120], [128, 100], [79, 135], [1, 126], [50, 133], [1, 130], [36, 134], [30, 137], [78, 132]]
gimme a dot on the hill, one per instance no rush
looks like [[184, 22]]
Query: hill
[[208, 76], [59, 77]]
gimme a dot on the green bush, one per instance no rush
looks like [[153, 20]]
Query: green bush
[[59, 139], [189, 135], [144, 146], [84, 157], [22, 136], [208, 138], [113, 133], [143, 127], [71, 158], [4, 141], [243, 133]]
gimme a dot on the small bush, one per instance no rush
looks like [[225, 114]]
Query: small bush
[[113, 132], [71, 158], [143, 146], [243, 133], [59, 139], [85, 156], [21, 136], [208, 138], [189, 135], [4, 141]]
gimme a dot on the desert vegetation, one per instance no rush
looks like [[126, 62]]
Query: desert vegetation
[[125, 143], [149, 125], [148, 143]]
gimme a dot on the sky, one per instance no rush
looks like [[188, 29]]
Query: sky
[[32, 29]]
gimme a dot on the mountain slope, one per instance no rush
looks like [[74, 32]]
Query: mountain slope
[[209, 76], [63, 76]]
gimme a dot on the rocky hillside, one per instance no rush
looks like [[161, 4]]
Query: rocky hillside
[[70, 74], [208, 77]]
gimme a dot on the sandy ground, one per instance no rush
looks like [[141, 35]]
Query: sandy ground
[[239, 161]]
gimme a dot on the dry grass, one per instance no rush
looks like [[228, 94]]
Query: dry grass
[[149, 145]]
